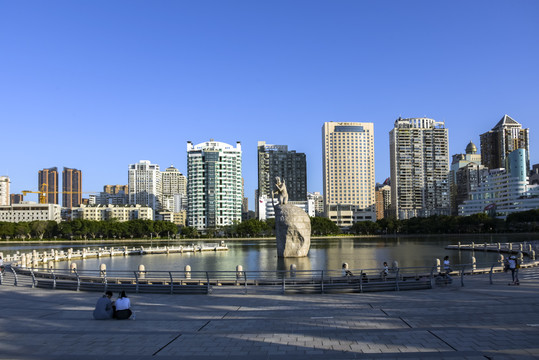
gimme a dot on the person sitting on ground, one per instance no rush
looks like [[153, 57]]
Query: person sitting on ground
[[345, 271], [104, 308], [447, 267], [123, 307]]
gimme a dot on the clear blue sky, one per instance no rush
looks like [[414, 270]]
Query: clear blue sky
[[98, 85]]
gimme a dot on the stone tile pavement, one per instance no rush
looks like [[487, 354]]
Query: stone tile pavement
[[477, 321]]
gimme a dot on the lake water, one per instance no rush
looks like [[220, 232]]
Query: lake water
[[325, 254]]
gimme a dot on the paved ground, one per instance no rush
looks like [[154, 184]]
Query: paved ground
[[477, 321]]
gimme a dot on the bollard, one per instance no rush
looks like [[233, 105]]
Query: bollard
[[532, 254], [69, 253], [500, 258], [23, 260], [239, 271], [293, 269], [187, 271], [51, 265], [521, 257], [530, 248], [499, 246], [141, 271], [84, 253], [103, 270], [520, 247], [473, 263], [125, 250], [510, 246], [438, 267], [73, 267], [56, 256]]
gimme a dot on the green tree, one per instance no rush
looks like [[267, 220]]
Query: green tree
[[323, 226]]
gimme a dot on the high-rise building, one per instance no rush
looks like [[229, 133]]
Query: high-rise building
[[16, 198], [504, 138], [48, 183], [471, 160], [419, 160], [173, 183], [214, 184], [348, 171], [4, 191], [383, 200], [145, 184], [71, 188], [115, 189], [503, 191], [277, 161]]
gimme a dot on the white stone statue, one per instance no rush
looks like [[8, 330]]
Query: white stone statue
[[281, 190]]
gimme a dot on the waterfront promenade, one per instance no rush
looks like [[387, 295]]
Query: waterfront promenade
[[477, 321]]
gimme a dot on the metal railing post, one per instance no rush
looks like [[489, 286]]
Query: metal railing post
[[208, 289], [15, 278], [245, 279], [462, 275], [322, 281], [361, 281], [136, 282], [490, 275], [432, 277], [284, 286], [171, 283], [33, 278], [53, 279], [78, 280], [397, 280]]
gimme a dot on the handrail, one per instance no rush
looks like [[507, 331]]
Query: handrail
[[16, 280]]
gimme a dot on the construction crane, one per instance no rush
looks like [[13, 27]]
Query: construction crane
[[43, 193]]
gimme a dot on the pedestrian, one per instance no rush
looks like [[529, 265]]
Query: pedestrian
[[513, 266], [385, 271], [104, 307], [123, 307], [345, 271]]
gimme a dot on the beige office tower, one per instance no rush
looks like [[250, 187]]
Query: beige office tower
[[174, 187], [4, 190], [419, 160], [348, 161]]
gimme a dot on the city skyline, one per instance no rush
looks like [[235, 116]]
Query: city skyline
[[138, 81]]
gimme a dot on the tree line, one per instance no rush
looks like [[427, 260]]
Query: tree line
[[527, 221]]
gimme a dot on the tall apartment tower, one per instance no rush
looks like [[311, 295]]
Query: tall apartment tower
[[348, 171], [145, 184], [214, 184], [419, 161], [471, 161], [4, 191], [504, 138], [383, 200], [278, 161], [173, 184], [71, 188], [48, 182]]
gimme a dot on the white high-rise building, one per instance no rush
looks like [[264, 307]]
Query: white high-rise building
[[174, 186], [419, 160], [145, 184], [348, 162], [4, 190], [214, 184]]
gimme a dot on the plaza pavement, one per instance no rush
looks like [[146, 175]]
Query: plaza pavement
[[477, 321]]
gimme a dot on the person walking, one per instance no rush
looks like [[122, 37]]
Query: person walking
[[513, 266]]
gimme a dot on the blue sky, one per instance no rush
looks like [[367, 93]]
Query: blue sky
[[98, 85]]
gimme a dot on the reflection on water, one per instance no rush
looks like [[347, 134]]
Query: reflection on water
[[325, 254]]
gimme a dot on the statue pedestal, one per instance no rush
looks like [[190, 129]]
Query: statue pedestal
[[293, 231]]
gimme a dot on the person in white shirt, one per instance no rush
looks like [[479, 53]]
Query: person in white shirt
[[123, 307]]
